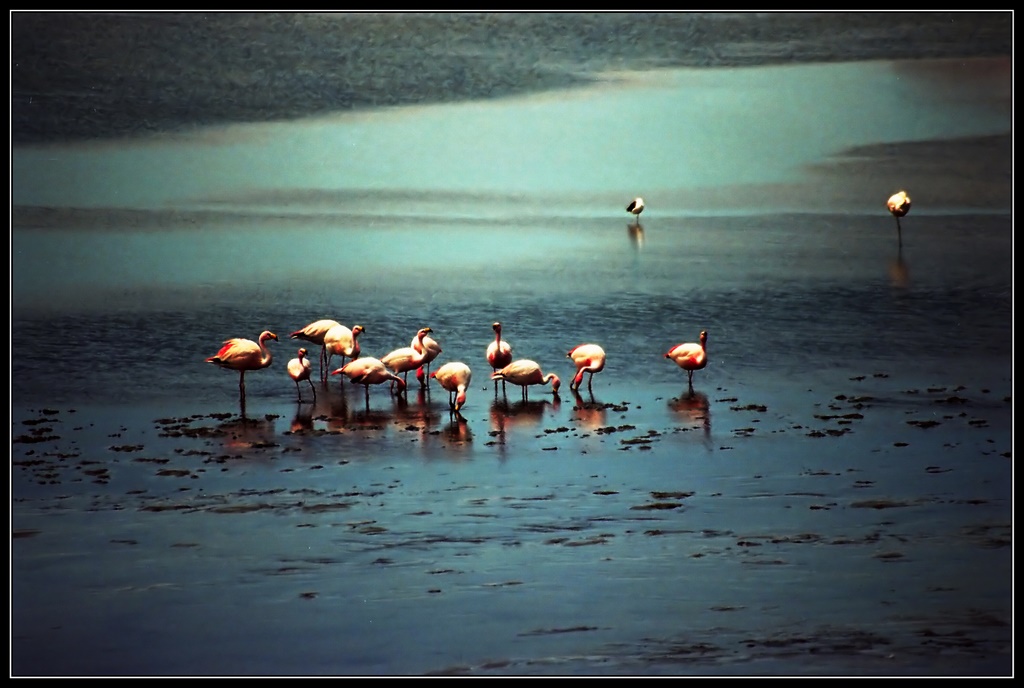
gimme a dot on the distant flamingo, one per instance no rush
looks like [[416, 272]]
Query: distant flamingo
[[899, 205], [368, 371], [401, 361], [432, 349], [454, 377], [300, 369], [690, 356], [499, 354], [242, 355], [589, 358], [314, 334], [636, 206], [524, 373], [341, 341]]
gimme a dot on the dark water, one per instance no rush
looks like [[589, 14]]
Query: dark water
[[834, 496]]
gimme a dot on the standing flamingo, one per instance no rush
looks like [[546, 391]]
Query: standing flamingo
[[368, 371], [300, 369], [690, 356], [341, 341], [432, 349], [314, 334], [499, 354], [636, 206], [899, 205], [242, 355], [589, 358], [524, 373], [406, 358], [454, 377]]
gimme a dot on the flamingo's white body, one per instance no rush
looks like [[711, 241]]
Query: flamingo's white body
[[341, 341], [636, 206], [244, 354], [432, 349], [588, 358], [314, 334], [368, 371], [499, 354], [454, 377], [690, 356], [402, 360], [524, 373], [899, 205], [299, 369]]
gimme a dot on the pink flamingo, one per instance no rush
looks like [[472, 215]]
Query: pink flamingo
[[432, 349], [454, 377], [341, 341], [406, 358], [368, 371], [499, 354], [300, 369], [589, 358], [690, 356], [242, 355], [899, 205], [524, 373], [314, 334]]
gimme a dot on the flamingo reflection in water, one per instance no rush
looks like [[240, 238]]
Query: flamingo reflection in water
[[521, 415], [590, 414], [694, 409]]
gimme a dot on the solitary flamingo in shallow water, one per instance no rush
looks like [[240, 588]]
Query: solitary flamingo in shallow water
[[499, 354], [589, 358], [636, 206], [454, 377], [341, 341], [690, 356], [368, 371], [300, 369], [524, 373], [314, 334], [242, 355], [899, 205]]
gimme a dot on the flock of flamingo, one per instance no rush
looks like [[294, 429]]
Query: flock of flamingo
[[336, 339]]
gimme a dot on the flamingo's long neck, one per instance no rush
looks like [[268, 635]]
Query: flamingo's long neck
[[266, 356]]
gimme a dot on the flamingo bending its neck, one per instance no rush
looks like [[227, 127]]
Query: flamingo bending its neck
[[368, 371], [429, 346], [690, 356], [524, 373], [454, 377], [499, 354], [242, 355], [314, 334], [636, 206], [588, 358], [299, 369], [402, 360]]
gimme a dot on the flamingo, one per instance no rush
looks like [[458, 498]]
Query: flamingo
[[636, 206], [300, 369], [589, 358], [433, 350], [407, 358], [314, 334], [524, 373], [899, 205], [368, 371], [341, 341], [242, 355], [499, 354], [454, 377], [690, 356]]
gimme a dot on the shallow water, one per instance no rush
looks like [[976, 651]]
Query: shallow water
[[834, 497]]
